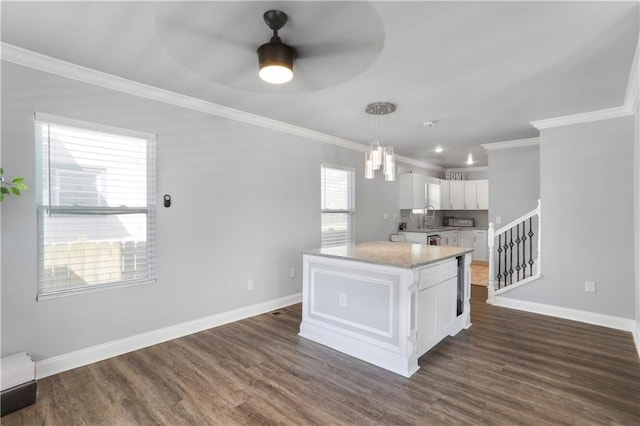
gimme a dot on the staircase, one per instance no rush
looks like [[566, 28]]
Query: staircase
[[514, 253]]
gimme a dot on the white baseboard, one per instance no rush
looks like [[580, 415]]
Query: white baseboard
[[69, 361], [369, 351], [625, 324]]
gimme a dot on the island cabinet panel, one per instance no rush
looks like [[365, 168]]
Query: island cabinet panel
[[356, 300]]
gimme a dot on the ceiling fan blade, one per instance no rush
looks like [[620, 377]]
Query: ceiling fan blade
[[335, 48], [198, 36]]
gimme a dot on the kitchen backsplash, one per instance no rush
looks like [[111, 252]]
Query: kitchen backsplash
[[480, 217]]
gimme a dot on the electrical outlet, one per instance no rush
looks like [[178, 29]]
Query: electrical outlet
[[251, 286], [292, 273], [590, 286], [498, 220], [386, 216], [343, 299]]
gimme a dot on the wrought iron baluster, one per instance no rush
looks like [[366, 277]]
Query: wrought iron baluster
[[524, 250], [511, 256], [518, 252], [499, 276], [530, 246], [505, 247]]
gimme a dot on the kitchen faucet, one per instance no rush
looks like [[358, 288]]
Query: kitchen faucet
[[426, 214]]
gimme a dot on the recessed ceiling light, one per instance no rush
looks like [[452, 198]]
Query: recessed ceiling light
[[439, 149], [428, 123], [469, 159]]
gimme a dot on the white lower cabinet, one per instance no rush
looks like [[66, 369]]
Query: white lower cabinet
[[437, 307], [479, 246], [465, 239], [449, 238], [416, 237]]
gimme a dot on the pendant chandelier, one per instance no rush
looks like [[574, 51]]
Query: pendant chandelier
[[380, 156]]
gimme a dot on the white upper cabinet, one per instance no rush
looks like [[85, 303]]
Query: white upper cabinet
[[416, 191], [470, 194], [413, 191], [445, 200], [433, 195], [456, 194], [464, 194], [482, 191]]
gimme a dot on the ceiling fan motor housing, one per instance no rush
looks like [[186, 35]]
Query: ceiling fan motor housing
[[275, 54]]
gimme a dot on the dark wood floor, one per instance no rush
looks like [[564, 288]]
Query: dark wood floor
[[509, 368]]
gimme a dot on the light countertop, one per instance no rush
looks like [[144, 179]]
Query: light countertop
[[400, 255]]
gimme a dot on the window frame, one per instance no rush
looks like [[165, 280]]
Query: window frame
[[47, 208], [351, 209]]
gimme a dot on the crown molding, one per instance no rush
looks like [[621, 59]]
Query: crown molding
[[511, 144], [631, 102], [469, 169], [418, 163], [586, 117], [48, 64]]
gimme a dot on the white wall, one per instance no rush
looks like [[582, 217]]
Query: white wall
[[246, 202], [586, 186], [514, 182]]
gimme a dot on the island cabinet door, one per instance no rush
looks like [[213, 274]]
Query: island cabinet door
[[436, 313]]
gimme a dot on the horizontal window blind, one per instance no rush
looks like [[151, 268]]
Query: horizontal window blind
[[96, 206], [337, 206]]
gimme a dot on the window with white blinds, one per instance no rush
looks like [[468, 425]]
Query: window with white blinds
[[338, 205], [96, 206]]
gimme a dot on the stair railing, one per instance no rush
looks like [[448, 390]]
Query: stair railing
[[511, 253]]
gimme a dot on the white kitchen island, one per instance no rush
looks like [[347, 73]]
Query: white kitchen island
[[386, 303]]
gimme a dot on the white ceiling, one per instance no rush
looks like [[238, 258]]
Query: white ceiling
[[481, 70]]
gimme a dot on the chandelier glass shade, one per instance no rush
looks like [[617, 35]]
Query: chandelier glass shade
[[379, 156]]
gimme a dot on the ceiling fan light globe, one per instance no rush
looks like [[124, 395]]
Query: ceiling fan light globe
[[276, 74]]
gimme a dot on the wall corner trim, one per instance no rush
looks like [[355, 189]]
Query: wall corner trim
[[632, 96], [511, 144], [618, 323], [636, 338], [90, 355], [40, 62]]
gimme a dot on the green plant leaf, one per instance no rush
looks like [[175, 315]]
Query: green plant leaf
[[18, 180], [4, 190], [1, 197], [21, 186], [1, 171], [14, 190]]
